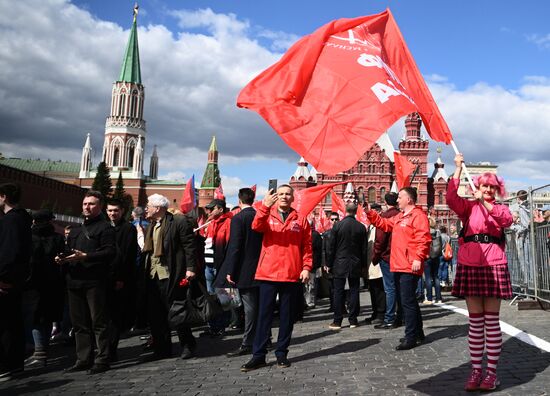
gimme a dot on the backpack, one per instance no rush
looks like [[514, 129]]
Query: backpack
[[447, 252], [436, 245]]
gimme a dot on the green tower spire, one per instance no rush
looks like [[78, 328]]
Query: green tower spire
[[211, 178], [131, 71]]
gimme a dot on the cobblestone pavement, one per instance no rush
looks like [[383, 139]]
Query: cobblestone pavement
[[359, 361]]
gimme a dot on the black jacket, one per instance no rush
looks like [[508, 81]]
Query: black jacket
[[96, 238], [348, 250], [243, 252], [124, 264], [179, 253], [15, 247], [317, 249]]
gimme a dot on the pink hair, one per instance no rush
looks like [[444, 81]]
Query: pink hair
[[492, 180]]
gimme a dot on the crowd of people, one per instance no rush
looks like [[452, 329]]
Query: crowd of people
[[109, 275]]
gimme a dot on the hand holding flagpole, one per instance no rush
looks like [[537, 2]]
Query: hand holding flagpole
[[464, 169]]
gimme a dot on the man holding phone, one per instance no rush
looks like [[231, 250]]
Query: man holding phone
[[285, 261]]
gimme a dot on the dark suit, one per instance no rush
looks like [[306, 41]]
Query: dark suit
[[179, 255], [241, 260], [347, 254], [123, 267]]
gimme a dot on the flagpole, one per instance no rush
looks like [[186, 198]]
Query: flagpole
[[414, 173], [464, 169], [202, 226]]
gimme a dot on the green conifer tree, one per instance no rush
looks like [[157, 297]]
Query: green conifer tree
[[102, 180]]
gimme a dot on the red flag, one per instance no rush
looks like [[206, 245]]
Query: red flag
[[253, 188], [338, 205], [257, 204], [362, 216], [334, 92], [218, 193], [188, 201], [403, 170], [324, 222], [307, 199]]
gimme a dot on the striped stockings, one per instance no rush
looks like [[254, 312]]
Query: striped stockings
[[493, 337], [476, 339]]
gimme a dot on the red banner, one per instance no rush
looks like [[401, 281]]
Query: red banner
[[337, 90], [403, 170], [188, 202], [307, 199], [338, 205]]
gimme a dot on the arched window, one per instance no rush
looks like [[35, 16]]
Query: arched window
[[116, 156], [382, 192], [382, 168], [360, 195], [372, 195], [440, 198], [360, 168], [131, 156]]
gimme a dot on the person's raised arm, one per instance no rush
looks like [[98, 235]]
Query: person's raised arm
[[260, 222]]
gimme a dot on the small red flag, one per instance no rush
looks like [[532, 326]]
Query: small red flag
[[188, 201], [307, 199], [335, 91], [362, 216], [403, 170], [338, 205], [218, 193], [253, 188]]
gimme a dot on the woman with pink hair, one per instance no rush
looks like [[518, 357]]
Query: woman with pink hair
[[482, 276]]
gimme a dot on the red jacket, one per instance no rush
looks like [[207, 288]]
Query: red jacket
[[411, 238], [218, 230], [286, 247]]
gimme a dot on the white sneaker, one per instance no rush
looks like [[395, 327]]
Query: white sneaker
[[427, 302], [439, 302]]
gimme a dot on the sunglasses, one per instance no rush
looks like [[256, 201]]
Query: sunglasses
[[333, 219]]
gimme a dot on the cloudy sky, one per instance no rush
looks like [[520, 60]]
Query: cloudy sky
[[487, 64]]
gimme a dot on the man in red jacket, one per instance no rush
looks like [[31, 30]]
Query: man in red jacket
[[285, 261], [410, 247]]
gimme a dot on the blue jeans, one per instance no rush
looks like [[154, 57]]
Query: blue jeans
[[431, 277], [405, 284], [444, 270], [389, 288], [210, 275], [222, 321]]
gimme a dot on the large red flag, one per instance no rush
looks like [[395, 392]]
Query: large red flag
[[403, 170], [337, 90], [338, 205], [307, 199], [188, 201]]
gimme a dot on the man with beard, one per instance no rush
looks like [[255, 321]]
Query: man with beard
[[92, 249]]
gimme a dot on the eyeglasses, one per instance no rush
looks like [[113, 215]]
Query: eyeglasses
[[333, 219]]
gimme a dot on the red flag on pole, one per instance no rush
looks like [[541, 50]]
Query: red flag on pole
[[253, 188], [324, 222], [307, 199], [218, 193], [188, 201], [362, 216], [403, 170], [338, 205], [337, 90]]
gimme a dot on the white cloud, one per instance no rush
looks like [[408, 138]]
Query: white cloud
[[540, 40], [58, 63]]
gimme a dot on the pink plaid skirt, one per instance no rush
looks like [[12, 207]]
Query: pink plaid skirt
[[486, 281]]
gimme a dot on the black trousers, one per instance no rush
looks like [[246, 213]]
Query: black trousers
[[287, 313], [250, 298], [88, 307], [12, 336], [339, 299], [377, 298], [157, 310]]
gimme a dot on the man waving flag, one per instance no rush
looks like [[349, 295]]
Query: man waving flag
[[337, 90]]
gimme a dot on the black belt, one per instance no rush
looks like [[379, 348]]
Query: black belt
[[482, 238]]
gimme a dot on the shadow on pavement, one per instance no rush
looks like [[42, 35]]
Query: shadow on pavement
[[32, 387], [352, 346], [519, 364]]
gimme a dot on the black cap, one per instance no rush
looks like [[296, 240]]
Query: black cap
[[43, 215], [214, 203], [391, 198]]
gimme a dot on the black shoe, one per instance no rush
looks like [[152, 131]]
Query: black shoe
[[77, 367], [113, 357], [253, 364], [98, 368], [419, 339], [243, 350], [406, 345], [187, 352], [385, 326], [373, 321], [283, 362]]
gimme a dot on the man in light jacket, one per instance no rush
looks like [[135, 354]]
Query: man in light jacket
[[285, 260]]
